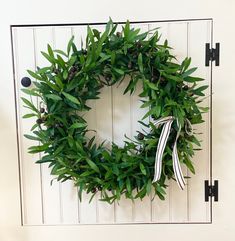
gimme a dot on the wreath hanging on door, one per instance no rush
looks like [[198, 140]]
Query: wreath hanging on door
[[169, 92]]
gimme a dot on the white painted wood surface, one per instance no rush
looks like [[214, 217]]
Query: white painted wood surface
[[112, 116]]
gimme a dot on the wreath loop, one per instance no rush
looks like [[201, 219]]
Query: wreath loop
[[169, 91]]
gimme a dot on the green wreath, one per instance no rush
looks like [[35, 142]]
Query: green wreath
[[76, 76]]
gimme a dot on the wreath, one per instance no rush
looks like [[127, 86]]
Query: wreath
[[145, 162]]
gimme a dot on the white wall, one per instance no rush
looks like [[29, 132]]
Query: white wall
[[25, 11]]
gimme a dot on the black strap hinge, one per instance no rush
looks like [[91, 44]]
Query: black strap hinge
[[212, 191], [212, 54]]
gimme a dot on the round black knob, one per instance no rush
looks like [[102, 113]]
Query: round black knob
[[26, 81]]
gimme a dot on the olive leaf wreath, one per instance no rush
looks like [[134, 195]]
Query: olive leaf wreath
[[73, 77]]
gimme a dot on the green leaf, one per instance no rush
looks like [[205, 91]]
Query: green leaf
[[70, 45], [53, 97], [60, 52], [128, 185], [78, 125], [185, 64], [189, 165], [34, 138], [156, 110], [151, 85], [113, 57], [126, 29], [36, 149], [61, 62], [65, 75], [29, 115], [34, 75], [93, 165], [30, 92], [140, 63], [142, 168], [191, 79], [71, 98], [188, 72], [201, 88], [204, 109], [119, 71], [148, 187], [50, 51], [59, 82], [29, 104], [48, 57]]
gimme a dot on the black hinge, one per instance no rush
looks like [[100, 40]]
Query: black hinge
[[212, 54], [212, 190]]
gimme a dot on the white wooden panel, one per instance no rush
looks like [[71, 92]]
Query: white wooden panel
[[199, 33], [112, 116], [68, 193], [177, 37], [30, 173], [51, 193]]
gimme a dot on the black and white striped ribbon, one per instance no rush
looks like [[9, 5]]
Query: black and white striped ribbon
[[167, 122]]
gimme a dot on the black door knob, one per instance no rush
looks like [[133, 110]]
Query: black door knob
[[26, 81]]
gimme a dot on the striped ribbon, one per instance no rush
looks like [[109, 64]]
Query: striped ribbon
[[167, 122]]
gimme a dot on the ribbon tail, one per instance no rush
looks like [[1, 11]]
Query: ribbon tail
[[176, 165], [160, 149]]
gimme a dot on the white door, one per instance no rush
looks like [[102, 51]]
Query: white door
[[112, 116], [53, 212]]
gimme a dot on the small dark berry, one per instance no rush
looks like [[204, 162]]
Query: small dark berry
[[39, 121], [129, 65], [71, 75], [119, 34], [135, 55], [140, 136], [42, 110], [73, 69], [108, 77], [84, 51], [154, 79], [94, 190], [56, 71], [185, 87], [138, 45]]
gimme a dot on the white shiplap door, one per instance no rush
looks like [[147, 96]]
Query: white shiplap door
[[112, 116]]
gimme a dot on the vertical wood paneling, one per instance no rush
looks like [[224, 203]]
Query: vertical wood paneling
[[199, 209], [31, 181], [177, 37], [110, 117], [68, 197], [51, 193]]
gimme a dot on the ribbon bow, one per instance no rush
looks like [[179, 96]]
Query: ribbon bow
[[167, 122]]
